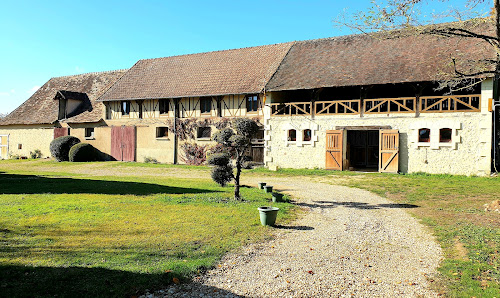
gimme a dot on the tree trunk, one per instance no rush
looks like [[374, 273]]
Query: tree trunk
[[239, 158]]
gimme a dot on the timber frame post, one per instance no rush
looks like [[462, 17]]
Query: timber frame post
[[176, 140]]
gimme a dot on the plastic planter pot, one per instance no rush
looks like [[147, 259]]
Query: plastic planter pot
[[268, 215], [268, 189], [277, 197], [261, 185]]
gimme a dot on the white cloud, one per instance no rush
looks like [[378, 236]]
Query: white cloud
[[8, 93], [78, 69], [32, 90]]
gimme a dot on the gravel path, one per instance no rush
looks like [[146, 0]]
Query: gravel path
[[349, 243]]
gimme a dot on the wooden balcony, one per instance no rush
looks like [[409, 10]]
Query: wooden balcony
[[291, 109], [390, 105], [428, 104], [451, 103], [339, 107]]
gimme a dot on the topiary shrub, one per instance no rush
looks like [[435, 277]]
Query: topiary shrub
[[59, 147], [83, 152], [235, 141]]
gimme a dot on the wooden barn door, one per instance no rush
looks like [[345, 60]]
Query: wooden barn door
[[389, 151], [4, 146], [334, 149], [60, 132], [123, 142]]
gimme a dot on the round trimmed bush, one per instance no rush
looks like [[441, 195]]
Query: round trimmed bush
[[222, 174], [59, 147], [83, 152]]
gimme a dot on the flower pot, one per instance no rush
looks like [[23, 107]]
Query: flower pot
[[261, 185], [277, 197], [268, 189], [268, 215]]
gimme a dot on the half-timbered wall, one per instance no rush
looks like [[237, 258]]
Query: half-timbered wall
[[190, 107]]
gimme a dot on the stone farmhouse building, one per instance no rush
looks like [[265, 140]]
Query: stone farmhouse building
[[345, 103]]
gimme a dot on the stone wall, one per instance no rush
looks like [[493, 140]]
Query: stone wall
[[469, 152], [22, 139]]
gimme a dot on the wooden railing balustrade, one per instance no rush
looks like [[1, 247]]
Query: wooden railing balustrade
[[338, 107], [390, 105], [427, 104], [451, 103], [291, 109]]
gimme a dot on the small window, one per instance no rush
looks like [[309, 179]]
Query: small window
[[205, 104], [307, 135], [292, 135], [162, 132], [125, 108], [204, 132], [19, 146], [164, 106], [424, 135], [252, 103], [445, 135], [89, 133]]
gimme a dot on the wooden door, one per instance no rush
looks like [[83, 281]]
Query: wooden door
[[4, 146], [60, 132], [123, 142], [334, 149], [389, 151]]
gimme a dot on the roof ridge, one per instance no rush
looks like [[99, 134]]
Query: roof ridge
[[218, 51], [91, 73]]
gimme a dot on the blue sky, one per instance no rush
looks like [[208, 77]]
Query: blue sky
[[44, 39]]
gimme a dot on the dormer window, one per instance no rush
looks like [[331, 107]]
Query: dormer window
[[71, 103]]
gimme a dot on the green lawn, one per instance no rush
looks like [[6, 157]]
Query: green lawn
[[115, 229], [67, 233], [452, 206]]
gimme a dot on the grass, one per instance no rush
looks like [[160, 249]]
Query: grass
[[77, 229], [452, 206], [67, 233]]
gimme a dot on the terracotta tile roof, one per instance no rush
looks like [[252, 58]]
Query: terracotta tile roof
[[357, 60], [42, 108], [239, 71]]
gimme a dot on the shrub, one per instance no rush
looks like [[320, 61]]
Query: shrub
[[59, 147], [148, 159], [219, 159], [14, 156], [82, 152], [222, 174], [236, 142], [36, 154]]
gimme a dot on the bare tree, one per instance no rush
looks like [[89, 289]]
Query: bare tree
[[477, 21], [395, 18]]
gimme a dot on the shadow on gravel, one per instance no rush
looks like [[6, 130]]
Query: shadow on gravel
[[299, 228], [357, 205]]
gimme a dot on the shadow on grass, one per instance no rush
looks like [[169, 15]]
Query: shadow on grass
[[299, 228], [32, 184], [21, 281], [357, 205]]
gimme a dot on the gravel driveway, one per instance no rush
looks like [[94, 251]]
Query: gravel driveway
[[350, 242]]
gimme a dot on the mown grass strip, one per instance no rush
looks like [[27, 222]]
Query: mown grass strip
[[81, 235]]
